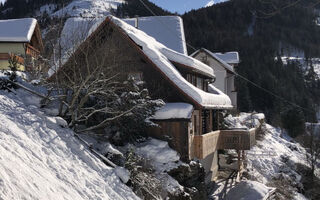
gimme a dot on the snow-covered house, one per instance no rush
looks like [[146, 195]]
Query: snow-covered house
[[189, 120], [223, 65], [19, 38]]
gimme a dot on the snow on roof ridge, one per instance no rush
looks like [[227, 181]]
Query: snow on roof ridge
[[224, 64], [231, 61], [161, 55], [25, 33]]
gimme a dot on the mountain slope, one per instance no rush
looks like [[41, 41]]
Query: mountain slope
[[42, 160], [240, 25]]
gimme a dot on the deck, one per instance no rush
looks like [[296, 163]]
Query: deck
[[204, 145]]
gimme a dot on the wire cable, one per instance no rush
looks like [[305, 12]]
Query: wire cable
[[238, 75]]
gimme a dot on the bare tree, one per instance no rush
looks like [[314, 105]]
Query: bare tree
[[95, 87]]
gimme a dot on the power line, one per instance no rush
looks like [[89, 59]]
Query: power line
[[273, 94], [240, 76]]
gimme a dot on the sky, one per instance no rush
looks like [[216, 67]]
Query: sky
[[2, 1], [182, 6]]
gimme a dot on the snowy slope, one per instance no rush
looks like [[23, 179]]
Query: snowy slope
[[275, 156], [88, 8], [42, 160]]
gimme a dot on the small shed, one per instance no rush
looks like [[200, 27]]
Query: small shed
[[174, 125]]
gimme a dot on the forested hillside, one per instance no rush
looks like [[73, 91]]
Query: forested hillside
[[260, 33]]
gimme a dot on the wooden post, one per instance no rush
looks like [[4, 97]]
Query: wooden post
[[200, 122], [218, 120], [239, 160]]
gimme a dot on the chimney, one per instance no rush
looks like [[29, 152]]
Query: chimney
[[136, 22]]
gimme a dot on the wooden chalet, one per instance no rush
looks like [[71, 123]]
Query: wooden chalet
[[189, 120], [19, 38]]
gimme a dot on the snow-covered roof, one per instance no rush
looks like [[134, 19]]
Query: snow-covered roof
[[214, 56], [174, 111], [76, 30], [167, 30], [17, 30], [160, 55], [231, 57]]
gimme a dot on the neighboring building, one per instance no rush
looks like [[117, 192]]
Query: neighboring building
[[168, 30], [19, 38], [189, 120], [223, 66]]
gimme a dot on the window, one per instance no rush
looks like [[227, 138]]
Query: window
[[194, 80], [189, 78], [199, 83]]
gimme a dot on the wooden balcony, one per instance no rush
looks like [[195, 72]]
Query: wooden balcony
[[33, 52], [204, 145]]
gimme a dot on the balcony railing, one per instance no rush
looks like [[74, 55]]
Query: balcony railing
[[33, 52], [204, 145]]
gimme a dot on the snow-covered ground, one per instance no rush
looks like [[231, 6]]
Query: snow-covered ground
[[275, 157], [42, 160]]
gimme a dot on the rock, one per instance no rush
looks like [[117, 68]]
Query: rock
[[123, 174], [192, 177]]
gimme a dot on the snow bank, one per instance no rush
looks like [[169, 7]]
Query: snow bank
[[245, 120], [163, 159], [162, 156], [249, 190], [42, 160], [174, 111], [17, 30], [167, 30]]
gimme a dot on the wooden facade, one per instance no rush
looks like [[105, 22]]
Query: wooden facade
[[176, 133]]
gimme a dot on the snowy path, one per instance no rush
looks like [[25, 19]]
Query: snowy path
[[41, 160]]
